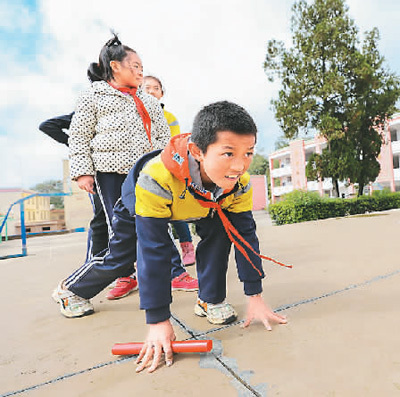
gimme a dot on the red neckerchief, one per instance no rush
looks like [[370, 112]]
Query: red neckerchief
[[175, 158], [144, 115], [231, 230]]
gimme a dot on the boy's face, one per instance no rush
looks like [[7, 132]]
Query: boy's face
[[226, 160]]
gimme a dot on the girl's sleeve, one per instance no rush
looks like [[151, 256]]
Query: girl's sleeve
[[160, 132], [81, 132], [173, 123], [55, 126]]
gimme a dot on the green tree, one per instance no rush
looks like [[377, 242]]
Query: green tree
[[375, 91], [51, 186], [331, 87], [259, 165], [281, 142]]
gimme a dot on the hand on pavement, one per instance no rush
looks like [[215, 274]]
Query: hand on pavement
[[257, 309], [158, 340]]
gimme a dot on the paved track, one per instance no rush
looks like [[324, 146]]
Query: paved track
[[341, 299]]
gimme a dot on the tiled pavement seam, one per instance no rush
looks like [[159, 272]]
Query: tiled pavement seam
[[215, 359]]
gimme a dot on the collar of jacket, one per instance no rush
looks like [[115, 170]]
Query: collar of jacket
[[175, 157], [102, 87]]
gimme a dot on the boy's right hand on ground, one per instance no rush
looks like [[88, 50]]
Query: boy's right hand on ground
[[158, 339], [86, 182], [258, 310]]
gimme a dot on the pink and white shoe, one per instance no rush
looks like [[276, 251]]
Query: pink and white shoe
[[188, 255], [123, 287], [184, 282]]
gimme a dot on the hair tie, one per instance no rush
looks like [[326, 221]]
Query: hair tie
[[113, 42]]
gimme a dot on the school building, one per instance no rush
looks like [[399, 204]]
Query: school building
[[288, 166], [38, 217]]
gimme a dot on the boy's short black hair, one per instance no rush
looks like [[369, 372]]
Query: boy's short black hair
[[220, 116]]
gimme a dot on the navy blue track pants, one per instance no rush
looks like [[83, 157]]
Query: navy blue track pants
[[116, 261]]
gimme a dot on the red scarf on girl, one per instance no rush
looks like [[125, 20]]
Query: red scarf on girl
[[144, 115]]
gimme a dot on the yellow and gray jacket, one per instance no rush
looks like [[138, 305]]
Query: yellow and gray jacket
[[168, 187], [172, 122]]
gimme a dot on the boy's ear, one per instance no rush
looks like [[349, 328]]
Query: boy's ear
[[195, 151]]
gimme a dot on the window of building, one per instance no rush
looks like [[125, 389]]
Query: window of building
[[393, 134], [44, 228], [287, 181], [396, 162]]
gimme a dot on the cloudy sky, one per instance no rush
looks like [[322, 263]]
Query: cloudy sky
[[203, 50]]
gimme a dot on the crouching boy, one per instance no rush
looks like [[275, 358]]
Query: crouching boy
[[199, 177]]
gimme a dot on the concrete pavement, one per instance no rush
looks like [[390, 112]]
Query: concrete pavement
[[340, 298]]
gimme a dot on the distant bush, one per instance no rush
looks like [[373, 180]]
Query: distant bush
[[301, 206]]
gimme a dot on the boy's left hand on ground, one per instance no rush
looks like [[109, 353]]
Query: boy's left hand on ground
[[158, 341], [257, 309]]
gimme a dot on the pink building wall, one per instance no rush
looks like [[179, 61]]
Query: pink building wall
[[260, 198], [271, 167], [385, 159], [298, 159]]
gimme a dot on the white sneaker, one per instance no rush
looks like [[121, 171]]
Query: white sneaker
[[220, 313], [71, 305]]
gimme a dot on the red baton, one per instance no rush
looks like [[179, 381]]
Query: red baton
[[189, 346]]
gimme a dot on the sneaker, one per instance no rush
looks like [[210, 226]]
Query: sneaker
[[123, 287], [184, 282], [71, 305], [112, 285], [188, 256], [221, 313]]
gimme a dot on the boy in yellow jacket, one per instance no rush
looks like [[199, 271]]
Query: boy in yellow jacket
[[199, 177]]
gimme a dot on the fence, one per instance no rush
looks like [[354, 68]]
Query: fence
[[22, 219]]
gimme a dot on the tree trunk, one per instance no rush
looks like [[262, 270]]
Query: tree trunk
[[335, 185], [360, 189]]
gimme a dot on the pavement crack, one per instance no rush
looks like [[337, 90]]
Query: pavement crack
[[338, 291], [239, 378], [228, 366], [66, 376]]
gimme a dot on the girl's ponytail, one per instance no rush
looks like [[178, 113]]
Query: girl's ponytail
[[113, 50], [94, 72], [113, 41]]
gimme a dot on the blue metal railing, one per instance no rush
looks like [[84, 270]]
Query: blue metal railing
[[22, 219], [6, 231]]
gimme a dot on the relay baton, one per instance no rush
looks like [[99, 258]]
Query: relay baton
[[189, 346]]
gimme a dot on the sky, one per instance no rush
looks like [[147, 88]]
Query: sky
[[203, 51]]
